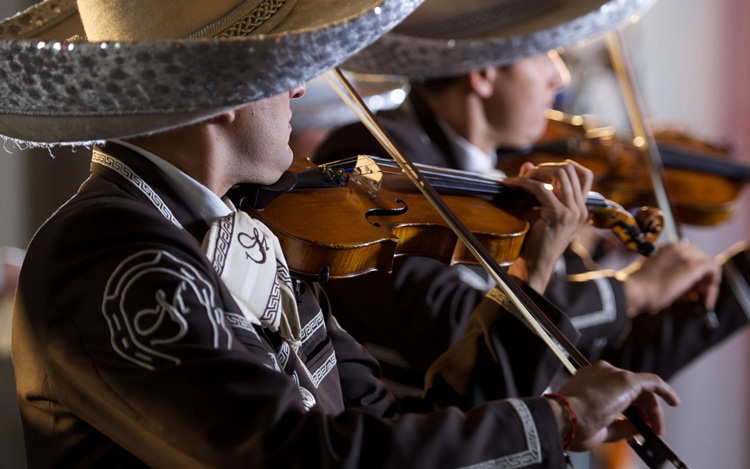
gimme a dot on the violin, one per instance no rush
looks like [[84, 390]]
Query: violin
[[354, 216], [701, 179]]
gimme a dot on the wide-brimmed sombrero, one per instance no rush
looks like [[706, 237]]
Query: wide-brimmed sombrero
[[444, 38], [141, 66]]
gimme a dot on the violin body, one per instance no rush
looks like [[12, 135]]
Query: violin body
[[702, 183], [356, 215], [348, 230]]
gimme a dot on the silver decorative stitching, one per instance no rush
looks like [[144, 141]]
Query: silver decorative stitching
[[283, 354], [532, 454], [324, 369], [223, 240], [607, 314], [128, 174], [313, 325], [239, 321]]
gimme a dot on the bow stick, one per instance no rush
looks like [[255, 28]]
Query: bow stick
[[645, 141], [653, 451]]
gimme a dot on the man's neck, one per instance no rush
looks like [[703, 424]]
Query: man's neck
[[187, 149], [464, 113]]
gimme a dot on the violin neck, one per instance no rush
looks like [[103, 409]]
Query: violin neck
[[679, 158], [672, 156], [478, 186]]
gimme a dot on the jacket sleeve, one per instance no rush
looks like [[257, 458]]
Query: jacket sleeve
[[593, 300], [665, 342], [444, 404]]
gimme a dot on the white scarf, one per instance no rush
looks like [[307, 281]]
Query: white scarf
[[248, 257]]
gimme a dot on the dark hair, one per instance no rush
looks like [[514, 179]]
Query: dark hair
[[434, 85]]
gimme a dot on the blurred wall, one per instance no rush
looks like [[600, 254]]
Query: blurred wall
[[693, 67], [33, 183], [696, 68]]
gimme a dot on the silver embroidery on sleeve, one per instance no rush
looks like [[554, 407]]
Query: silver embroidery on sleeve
[[313, 325], [283, 354], [240, 322], [473, 279], [533, 452], [145, 305], [324, 369], [317, 376], [607, 314], [129, 175], [308, 400], [274, 365]]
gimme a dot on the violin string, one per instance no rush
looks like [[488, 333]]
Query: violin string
[[339, 84]]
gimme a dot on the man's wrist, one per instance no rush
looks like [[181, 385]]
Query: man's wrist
[[565, 416]]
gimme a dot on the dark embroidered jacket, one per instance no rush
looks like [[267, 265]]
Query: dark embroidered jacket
[[130, 351]]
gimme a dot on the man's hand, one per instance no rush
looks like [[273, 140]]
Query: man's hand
[[560, 213], [599, 393], [674, 271]]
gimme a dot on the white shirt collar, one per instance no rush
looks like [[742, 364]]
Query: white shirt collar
[[208, 205], [468, 156]]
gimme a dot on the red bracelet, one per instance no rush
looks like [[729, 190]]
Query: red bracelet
[[572, 418]]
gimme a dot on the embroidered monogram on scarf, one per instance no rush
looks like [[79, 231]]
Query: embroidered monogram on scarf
[[248, 257]]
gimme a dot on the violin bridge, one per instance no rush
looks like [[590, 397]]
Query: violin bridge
[[367, 173]]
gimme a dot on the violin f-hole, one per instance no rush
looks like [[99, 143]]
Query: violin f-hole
[[386, 212]]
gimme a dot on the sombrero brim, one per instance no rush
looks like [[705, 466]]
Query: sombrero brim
[[52, 91], [321, 107], [572, 21]]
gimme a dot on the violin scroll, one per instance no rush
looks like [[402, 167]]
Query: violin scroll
[[639, 232]]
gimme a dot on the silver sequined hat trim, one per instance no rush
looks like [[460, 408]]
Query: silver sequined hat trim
[[443, 47], [56, 91]]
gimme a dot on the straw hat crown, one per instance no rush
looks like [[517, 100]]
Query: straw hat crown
[[138, 20]]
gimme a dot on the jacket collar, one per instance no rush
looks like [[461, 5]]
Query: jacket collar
[[142, 179]]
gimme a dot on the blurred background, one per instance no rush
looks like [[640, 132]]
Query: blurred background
[[693, 72]]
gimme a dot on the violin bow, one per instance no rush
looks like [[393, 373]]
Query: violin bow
[[645, 141], [643, 134], [654, 451]]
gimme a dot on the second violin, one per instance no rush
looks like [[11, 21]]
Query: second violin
[[701, 178]]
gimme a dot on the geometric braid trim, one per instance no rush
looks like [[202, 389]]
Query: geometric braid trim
[[129, 175], [315, 324], [249, 22], [531, 456], [273, 306], [283, 273], [324, 369], [608, 313], [223, 239]]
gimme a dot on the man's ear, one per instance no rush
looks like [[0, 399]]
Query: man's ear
[[482, 81], [226, 117]]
